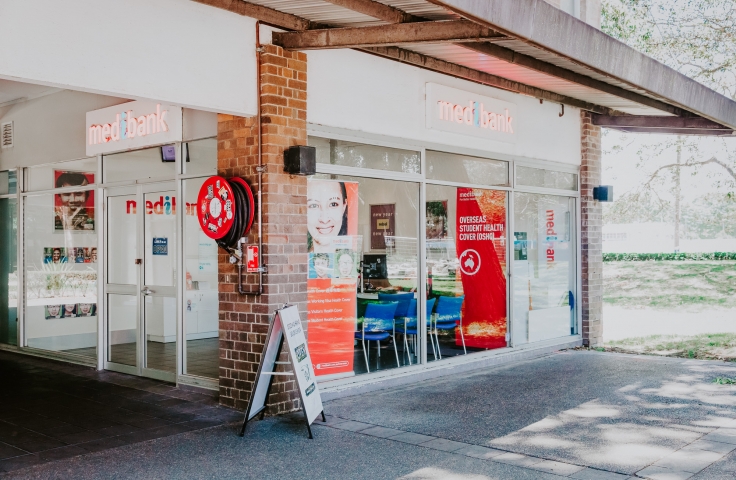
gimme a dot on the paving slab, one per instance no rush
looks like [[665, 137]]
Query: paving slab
[[517, 459], [413, 438], [691, 461], [709, 446], [661, 473], [352, 426], [722, 435], [444, 445], [593, 474], [558, 468], [477, 451], [381, 432]]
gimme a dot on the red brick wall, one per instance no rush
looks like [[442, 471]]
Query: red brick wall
[[244, 319], [591, 233]]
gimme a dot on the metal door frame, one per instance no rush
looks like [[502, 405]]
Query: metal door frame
[[139, 191]]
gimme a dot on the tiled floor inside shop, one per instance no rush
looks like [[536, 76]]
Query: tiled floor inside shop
[[387, 360], [202, 356], [52, 410]]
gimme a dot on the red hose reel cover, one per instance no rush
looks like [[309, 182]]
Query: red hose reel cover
[[216, 209]]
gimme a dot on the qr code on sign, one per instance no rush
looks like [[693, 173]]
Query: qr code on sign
[[301, 352]]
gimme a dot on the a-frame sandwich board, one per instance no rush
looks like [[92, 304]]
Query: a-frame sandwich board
[[286, 323]]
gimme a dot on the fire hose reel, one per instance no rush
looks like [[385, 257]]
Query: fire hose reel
[[225, 210]]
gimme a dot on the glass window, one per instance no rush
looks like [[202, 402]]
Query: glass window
[[464, 169], [137, 165], [67, 174], [363, 263], [60, 252], [201, 302], [201, 157], [352, 154], [537, 177], [8, 182], [8, 271], [543, 267], [466, 269]]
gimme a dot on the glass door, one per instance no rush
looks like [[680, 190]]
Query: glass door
[[543, 267], [141, 278]]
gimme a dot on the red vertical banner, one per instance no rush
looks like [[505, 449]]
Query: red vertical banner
[[334, 252], [481, 247]]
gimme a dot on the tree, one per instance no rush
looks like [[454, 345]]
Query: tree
[[695, 37], [698, 39]]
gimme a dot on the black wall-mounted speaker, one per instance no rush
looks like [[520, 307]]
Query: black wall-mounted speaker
[[603, 193], [300, 160]]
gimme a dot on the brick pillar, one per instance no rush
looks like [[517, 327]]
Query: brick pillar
[[244, 319], [591, 233]]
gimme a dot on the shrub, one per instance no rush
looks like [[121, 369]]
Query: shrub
[[654, 257]]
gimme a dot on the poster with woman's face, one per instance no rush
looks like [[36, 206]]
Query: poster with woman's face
[[437, 220], [74, 210], [332, 211]]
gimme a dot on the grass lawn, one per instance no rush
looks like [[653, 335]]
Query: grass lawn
[[694, 285], [672, 294], [712, 346]]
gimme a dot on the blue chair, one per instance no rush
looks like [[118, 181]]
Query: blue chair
[[404, 299], [448, 317], [410, 325], [378, 324]]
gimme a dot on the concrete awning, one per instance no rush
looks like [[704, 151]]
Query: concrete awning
[[524, 46]]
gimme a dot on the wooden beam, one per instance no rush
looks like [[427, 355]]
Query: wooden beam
[[652, 122], [259, 12], [392, 15], [510, 56], [377, 10], [677, 131], [383, 35], [459, 71]]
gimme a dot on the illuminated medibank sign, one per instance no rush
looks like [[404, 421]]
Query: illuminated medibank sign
[[458, 111], [132, 125]]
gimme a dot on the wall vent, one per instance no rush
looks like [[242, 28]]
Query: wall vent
[[6, 134]]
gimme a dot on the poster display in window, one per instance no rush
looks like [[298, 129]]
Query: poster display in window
[[436, 220], [334, 248], [383, 226], [74, 210], [481, 250]]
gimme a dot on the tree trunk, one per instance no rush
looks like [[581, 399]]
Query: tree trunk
[[678, 193]]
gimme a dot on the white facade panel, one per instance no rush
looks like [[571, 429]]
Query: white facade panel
[[357, 91], [174, 51]]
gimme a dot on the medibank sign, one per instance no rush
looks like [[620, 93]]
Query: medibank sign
[[132, 125], [458, 111]]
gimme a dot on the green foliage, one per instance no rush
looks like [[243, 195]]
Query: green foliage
[[695, 37], [653, 257], [724, 381], [705, 346], [693, 285]]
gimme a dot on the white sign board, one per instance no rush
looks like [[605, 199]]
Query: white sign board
[[286, 323], [132, 125], [457, 111], [301, 361]]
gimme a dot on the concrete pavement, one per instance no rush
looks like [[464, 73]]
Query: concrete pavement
[[575, 414]]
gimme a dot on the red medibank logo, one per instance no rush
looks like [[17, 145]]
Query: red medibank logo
[[127, 126], [550, 235], [476, 115], [165, 205]]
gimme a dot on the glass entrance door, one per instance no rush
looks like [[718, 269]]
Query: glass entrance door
[[141, 279], [544, 267]]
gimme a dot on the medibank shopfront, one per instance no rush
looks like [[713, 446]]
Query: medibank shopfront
[[442, 222]]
